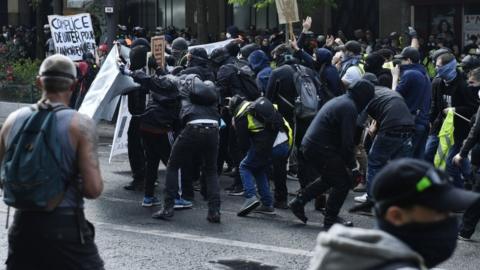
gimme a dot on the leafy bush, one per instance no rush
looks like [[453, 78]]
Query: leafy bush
[[25, 71]]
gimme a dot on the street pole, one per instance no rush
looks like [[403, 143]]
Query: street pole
[[110, 9]]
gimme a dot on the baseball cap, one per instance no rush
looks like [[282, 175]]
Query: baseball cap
[[353, 46], [411, 53], [58, 65], [416, 182]]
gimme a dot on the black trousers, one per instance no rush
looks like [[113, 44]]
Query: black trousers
[[157, 147], [334, 175], [471, 217], [136, 153], [200, 141], [279, 175], [51, 241], [235, 155], [306, 174]]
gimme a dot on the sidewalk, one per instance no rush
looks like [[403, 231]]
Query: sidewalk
[[105, 129]]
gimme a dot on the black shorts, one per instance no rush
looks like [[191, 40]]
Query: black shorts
[[41, 241]]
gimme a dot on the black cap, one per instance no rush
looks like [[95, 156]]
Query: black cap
[[410, 53], [411, 181], [353, 46]]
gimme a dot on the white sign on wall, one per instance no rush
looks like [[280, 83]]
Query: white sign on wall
[[471, 26]]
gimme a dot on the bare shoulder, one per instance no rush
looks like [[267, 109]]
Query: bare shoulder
[[7, 125], [82, 128]]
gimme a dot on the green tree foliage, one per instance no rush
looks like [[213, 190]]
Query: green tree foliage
[[305, 5]]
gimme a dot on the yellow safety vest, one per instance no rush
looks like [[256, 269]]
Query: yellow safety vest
[[256, 126]]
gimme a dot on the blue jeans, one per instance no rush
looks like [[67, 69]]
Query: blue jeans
[[384, 149], [420, 141], [252, 170], [431, 148], [456, 172]]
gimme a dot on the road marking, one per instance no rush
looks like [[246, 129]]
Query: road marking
[[224, 211], [204, 239]]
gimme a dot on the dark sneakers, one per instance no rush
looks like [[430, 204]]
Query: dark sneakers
[[165, 214], [328, 222], [280, 205], [363, 209], [320, 202], [213, 216], [298, 209], [248, 206], [135, 185], [267, 210]]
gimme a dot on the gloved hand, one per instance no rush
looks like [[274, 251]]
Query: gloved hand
[[412, 32], [124, 70], [152, 63]]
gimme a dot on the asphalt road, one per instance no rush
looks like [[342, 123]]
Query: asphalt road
[[129, 239]]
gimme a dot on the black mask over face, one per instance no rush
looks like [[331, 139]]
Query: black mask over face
[[435, 241], [138, 57]]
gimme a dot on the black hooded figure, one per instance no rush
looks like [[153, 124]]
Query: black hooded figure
[[197, 63], [374, 64], [328, 146]]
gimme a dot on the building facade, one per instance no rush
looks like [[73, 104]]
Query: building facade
[[461, 17]]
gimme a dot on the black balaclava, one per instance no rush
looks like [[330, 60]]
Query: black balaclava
[[361, 92], [138, 57]]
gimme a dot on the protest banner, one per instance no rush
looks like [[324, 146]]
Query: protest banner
[[158, 50], [120, 137], [212, 46], [287, 14], [72, 35], [102, 97], [287, 11]]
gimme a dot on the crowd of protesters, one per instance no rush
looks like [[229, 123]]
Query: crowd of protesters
[[374, 103], [365, 114]]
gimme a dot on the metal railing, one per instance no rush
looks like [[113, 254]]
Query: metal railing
[[21, 93]]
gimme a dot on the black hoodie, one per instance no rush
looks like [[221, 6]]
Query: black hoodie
[[333, 128]]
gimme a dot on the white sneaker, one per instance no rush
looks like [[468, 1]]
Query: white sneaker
[[361, 199]]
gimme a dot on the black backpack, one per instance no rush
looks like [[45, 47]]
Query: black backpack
[[307, 102], [247, 79], [264, 111]]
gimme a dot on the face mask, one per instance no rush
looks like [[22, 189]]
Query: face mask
[[228, 35], [435, 241], [448, 72]]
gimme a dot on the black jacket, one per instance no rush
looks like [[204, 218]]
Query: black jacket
[[473, 137], [198, 101], [163, 105], [228, 82], [333, 128], [389, 110], [200, 68], [281, 83], [261, 141], [457, 95]]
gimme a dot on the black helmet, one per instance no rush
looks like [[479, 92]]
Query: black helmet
[[354, 47], [88, 56], [246, 50], [138, 57], [470, 62], [234, 102], [140, 42], [219, 55], [179, 44]]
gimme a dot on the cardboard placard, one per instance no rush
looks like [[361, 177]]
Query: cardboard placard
[[158, 50], [72, 35], [287, 11]]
